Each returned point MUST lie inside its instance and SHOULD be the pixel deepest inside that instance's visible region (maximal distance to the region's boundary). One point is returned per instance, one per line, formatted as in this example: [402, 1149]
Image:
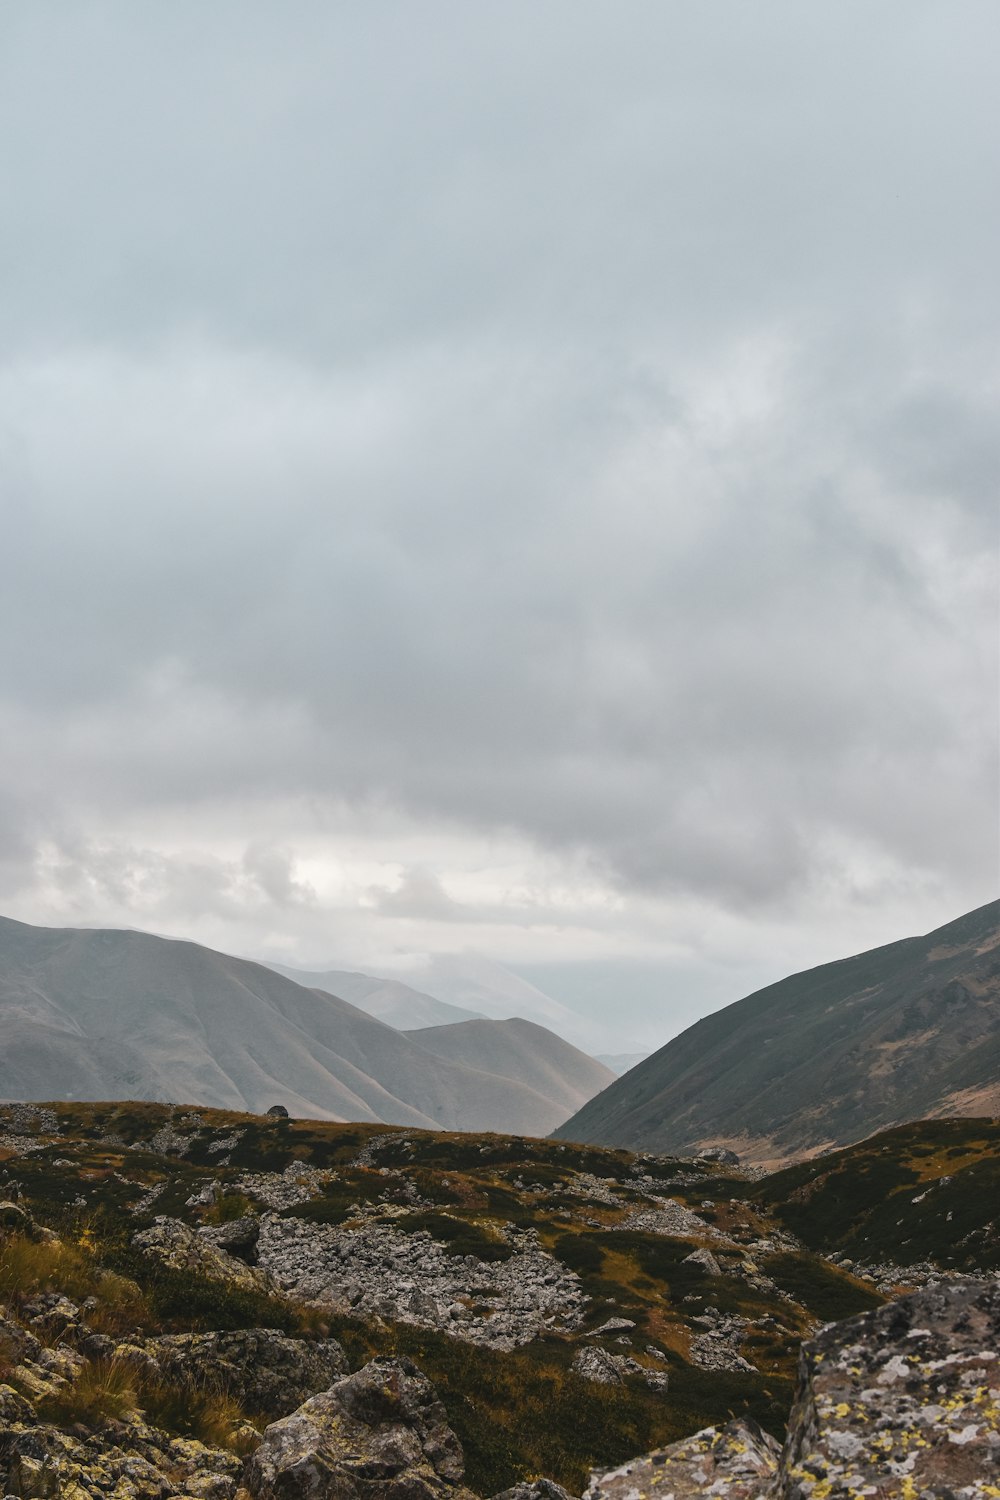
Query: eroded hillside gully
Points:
[219, 1305]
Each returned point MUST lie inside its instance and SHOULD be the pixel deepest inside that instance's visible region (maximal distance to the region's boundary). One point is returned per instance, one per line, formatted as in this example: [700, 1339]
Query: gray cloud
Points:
[498, 425]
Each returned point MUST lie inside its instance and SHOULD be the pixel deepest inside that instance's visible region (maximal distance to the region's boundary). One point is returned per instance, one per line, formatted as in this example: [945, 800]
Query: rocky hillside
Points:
[98, 1014]
[174, 1280]
[825, 1057]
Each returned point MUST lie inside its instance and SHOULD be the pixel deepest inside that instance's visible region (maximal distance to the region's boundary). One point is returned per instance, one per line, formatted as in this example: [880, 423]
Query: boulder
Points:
[597, 1365]
[704, 1260]
[268, 1373]
[720, 1154]
[237, 1237]
[738, 1461]
[901, 1401]
[380, 1434]
[181, 1248]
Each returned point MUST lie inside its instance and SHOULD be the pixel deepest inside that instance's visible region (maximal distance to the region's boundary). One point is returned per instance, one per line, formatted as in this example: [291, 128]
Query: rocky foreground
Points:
[901, 1402]
[228, 1307]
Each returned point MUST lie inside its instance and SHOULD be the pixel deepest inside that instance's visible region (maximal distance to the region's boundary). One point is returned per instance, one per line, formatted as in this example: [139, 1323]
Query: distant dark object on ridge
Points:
[278, 1112]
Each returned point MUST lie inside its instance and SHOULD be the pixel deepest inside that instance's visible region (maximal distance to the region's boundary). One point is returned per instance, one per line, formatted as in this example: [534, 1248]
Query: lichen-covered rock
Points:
[901, 1402]
[267, 1372]
[14, 1408]
[380, 1434]
[127, 1460]
[738, 1462]
[181, 1248]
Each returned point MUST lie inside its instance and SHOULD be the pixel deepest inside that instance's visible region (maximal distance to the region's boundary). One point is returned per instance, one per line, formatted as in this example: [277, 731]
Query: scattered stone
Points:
[378, 1271]
[672, 1218]
[596, 1364]
[719, 1347]
[238, 1237]
[169, 1142]
[277, 1190]
[226, 1143]
[604, 1368]
[278, 1112]
[16, 1220]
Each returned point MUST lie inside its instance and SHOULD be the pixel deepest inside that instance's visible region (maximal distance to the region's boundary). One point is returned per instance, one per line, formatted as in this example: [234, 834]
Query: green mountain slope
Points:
[825, 1057]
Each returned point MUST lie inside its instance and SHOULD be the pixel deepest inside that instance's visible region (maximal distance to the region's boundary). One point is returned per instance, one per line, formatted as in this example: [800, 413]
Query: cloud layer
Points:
[518, 482]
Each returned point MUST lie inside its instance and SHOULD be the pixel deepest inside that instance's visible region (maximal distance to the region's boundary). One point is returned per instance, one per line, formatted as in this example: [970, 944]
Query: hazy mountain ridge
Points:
[98, 1014]
[522, 1051]
[389, 1000]
[825, 1057]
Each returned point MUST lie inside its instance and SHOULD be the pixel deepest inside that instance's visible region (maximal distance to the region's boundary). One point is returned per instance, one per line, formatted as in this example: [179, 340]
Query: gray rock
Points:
[737, 1461]
[180, 1247]
[14, 1408]
[720, 1154]
[614, 1325]
[704, 1260]
[238, 1237]
[380, 1434]
[16, 1343]
[597, 1365]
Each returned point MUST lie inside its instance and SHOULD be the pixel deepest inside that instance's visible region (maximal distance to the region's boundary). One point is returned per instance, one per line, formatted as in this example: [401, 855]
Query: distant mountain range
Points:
[522, 1051]
[823, 1058]
[91, 1014]
[390, 1000]
[476, 984]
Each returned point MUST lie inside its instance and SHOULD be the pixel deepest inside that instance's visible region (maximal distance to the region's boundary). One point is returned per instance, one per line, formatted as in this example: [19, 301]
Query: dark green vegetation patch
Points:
[926, 1191]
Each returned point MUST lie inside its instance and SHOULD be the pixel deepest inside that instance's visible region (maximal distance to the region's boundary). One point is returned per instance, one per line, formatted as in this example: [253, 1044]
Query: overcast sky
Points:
[515, 479]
